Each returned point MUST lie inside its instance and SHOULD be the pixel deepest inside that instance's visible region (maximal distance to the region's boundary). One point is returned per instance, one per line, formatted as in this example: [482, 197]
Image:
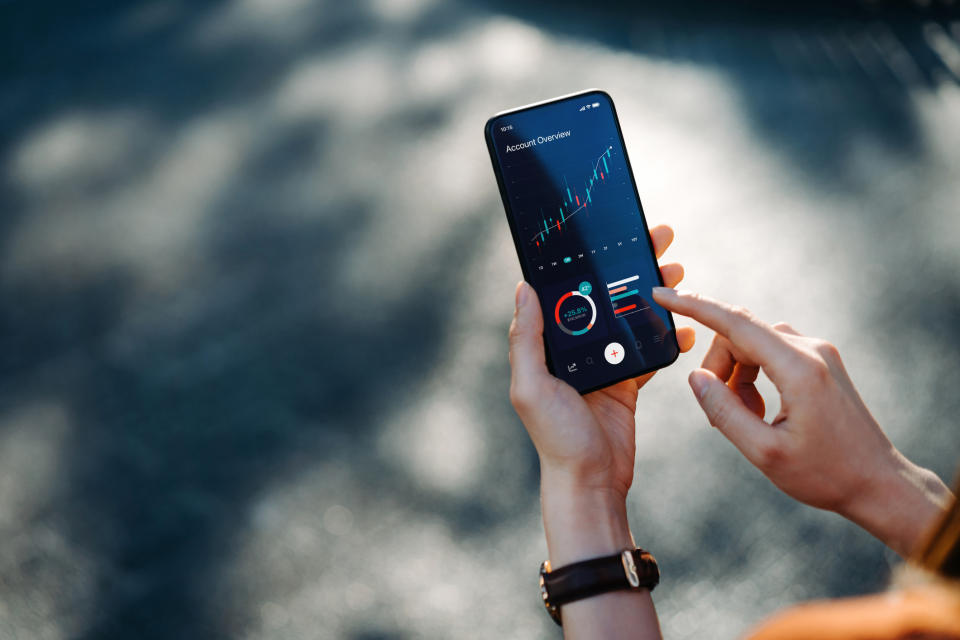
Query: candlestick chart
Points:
[568, 207]
[571, 203]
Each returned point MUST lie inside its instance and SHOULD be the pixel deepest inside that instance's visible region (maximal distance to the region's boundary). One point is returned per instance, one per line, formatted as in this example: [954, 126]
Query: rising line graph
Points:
[573, 199]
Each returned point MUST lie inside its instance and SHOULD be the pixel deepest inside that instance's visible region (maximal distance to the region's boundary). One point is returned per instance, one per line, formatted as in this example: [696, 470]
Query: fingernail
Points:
[664, 291]
[698, 382]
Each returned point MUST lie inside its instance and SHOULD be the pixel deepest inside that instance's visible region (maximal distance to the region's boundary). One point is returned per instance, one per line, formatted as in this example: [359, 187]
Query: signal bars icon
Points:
[590, 106]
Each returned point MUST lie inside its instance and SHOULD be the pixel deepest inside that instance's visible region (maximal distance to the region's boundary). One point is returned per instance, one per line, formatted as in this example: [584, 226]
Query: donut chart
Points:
[570, 317]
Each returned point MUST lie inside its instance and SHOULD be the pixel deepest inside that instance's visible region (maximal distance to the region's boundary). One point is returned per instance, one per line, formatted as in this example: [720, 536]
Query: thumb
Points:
[527, 358]
[726, 411]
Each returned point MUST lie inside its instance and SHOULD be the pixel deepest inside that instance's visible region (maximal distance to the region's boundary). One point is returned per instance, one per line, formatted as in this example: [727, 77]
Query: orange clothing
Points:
[917, 613]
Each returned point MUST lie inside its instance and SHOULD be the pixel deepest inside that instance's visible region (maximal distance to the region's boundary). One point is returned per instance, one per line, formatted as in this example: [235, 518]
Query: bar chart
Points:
[625, 296]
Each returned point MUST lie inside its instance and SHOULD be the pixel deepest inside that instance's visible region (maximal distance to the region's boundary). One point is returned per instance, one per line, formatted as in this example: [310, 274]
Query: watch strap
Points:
[631, 569]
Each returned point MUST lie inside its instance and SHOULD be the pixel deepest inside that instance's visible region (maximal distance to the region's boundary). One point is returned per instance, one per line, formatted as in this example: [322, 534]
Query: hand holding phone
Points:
[584, 442]
[583, 243]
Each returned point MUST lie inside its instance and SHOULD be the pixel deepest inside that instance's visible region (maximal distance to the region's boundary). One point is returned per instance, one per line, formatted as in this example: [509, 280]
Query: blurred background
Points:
[255, 284]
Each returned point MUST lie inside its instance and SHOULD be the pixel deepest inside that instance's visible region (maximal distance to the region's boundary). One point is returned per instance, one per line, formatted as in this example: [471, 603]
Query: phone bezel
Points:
[508, 212]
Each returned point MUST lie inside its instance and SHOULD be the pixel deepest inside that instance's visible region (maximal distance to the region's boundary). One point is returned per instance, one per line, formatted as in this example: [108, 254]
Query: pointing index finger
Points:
[754, 338]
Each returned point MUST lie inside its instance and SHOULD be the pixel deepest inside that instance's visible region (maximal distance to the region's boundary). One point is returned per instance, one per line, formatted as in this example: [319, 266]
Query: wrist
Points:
[900, 504]
[582, 522]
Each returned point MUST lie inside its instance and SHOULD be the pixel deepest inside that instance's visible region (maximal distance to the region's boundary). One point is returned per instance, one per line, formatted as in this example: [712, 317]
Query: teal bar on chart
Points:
[624, 295]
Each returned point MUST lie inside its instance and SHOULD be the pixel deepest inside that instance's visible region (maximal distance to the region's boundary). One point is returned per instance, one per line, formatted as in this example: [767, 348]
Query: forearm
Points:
[901, 506]
[582, 524]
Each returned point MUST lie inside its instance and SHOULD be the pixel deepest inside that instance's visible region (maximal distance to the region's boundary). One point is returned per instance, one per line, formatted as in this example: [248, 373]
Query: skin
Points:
[824, 448]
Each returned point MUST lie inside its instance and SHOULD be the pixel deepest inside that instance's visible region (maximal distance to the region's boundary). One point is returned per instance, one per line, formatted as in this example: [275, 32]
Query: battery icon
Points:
[596, 104]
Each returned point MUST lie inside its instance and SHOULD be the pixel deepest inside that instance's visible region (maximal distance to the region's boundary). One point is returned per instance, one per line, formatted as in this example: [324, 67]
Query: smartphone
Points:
[580, 233]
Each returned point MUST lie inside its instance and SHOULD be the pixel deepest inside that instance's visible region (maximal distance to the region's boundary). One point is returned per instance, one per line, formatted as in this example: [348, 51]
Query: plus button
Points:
[614, 353]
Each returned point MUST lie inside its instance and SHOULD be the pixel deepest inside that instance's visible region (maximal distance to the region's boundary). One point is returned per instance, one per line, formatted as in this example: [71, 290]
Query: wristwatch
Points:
[631, 569]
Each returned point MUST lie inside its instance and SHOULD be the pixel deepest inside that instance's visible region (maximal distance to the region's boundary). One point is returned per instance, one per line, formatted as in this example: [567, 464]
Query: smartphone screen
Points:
[583, 243]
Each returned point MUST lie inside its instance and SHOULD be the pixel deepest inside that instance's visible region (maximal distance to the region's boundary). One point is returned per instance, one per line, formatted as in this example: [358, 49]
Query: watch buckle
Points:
[630, 568]
[551, 608]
